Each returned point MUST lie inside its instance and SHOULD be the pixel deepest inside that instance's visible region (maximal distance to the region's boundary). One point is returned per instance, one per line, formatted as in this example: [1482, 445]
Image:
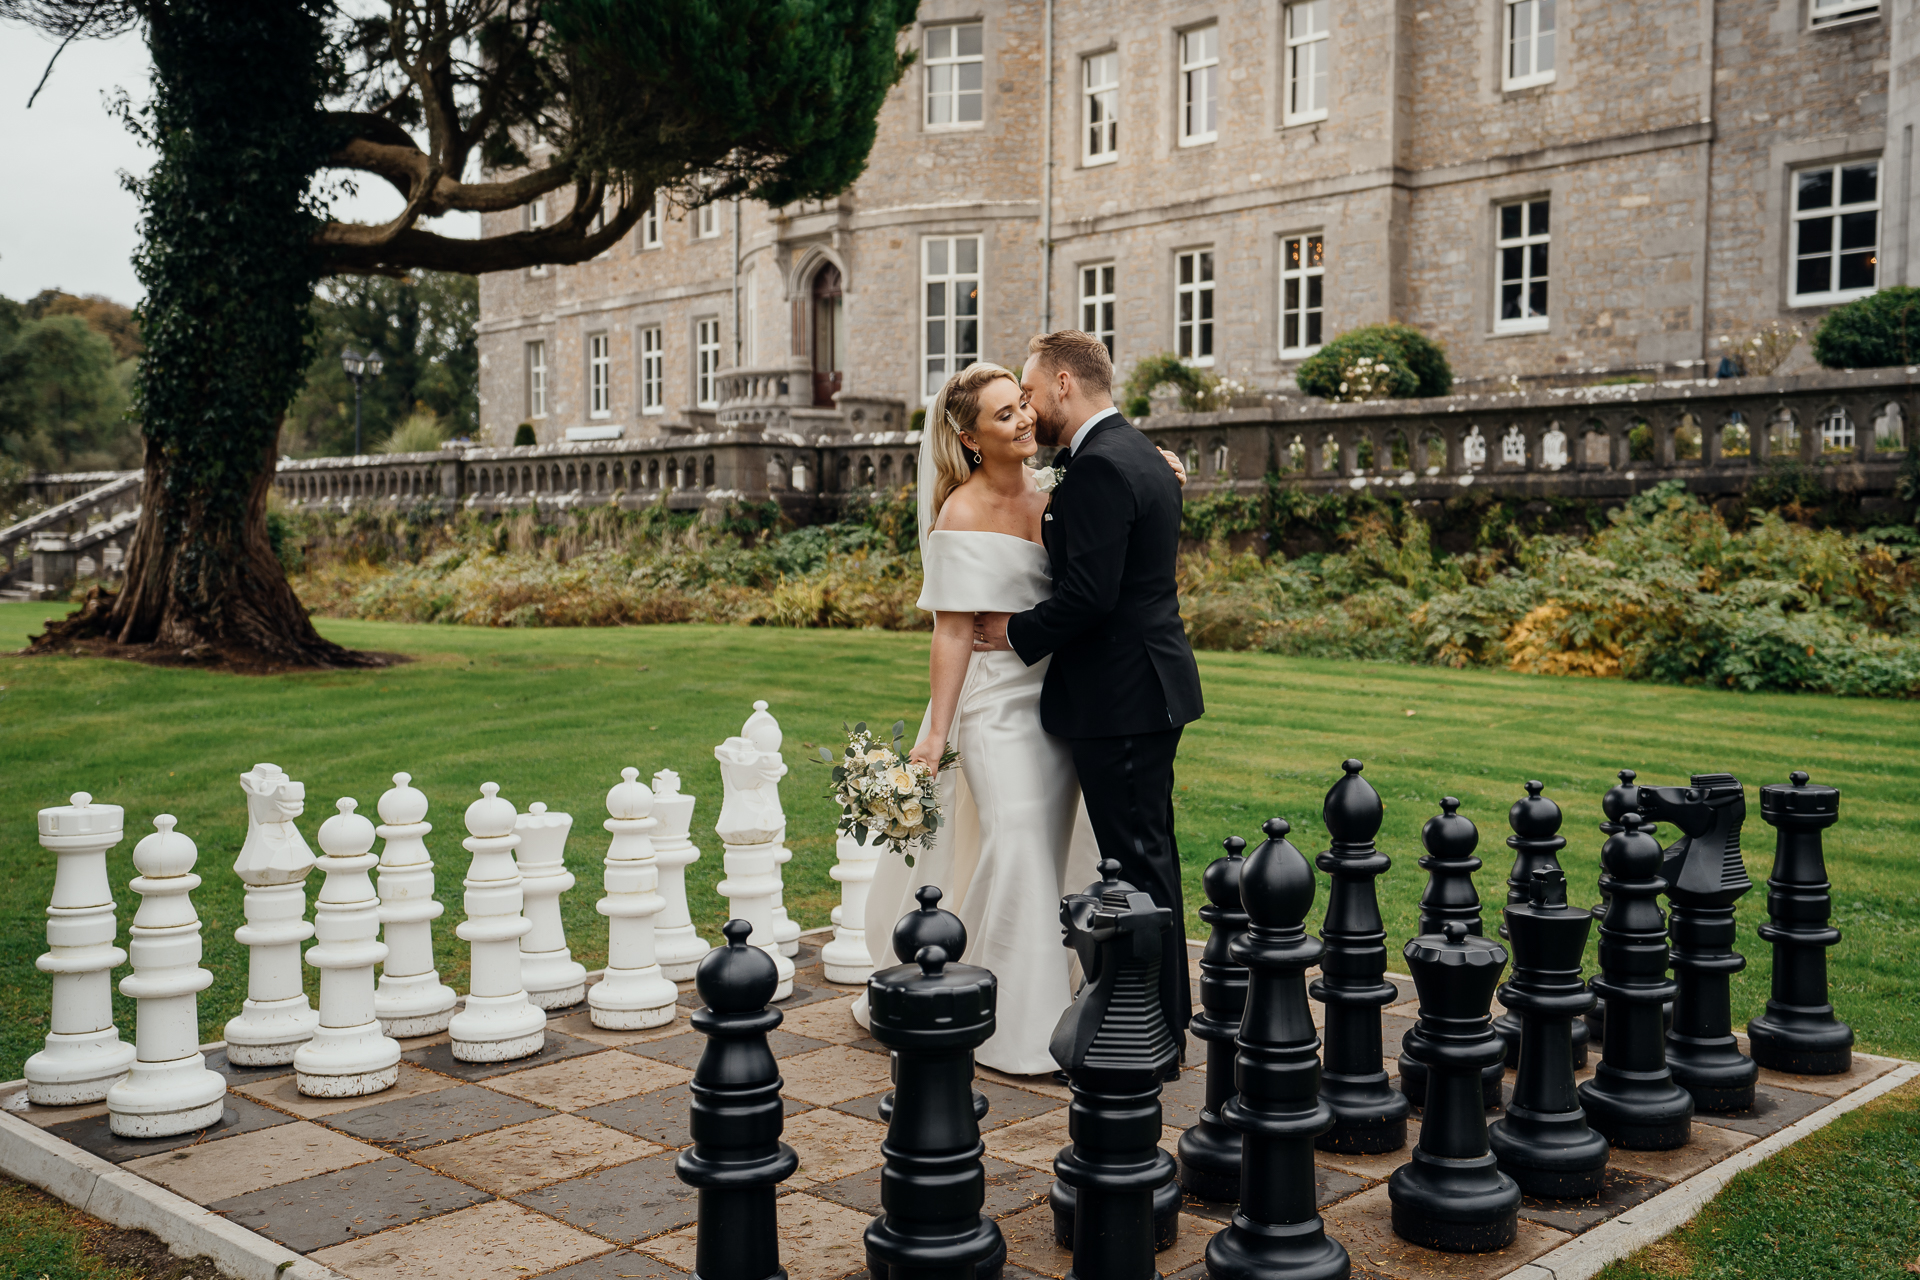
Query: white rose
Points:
[912, 813]
[1045, 478]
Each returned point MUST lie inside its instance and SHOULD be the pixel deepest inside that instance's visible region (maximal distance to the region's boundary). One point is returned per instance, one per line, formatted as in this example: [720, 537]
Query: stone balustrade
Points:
[85, 535]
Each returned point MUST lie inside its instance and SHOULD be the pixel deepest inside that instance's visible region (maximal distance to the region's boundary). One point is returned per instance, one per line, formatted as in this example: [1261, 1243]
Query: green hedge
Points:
[1872, 332]
[1419, 363]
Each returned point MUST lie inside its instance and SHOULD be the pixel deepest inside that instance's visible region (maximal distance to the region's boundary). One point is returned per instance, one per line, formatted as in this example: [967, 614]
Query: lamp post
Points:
[360, 366]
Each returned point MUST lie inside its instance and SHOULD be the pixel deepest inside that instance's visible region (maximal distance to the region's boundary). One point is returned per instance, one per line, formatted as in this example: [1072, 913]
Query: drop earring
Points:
[976, 457]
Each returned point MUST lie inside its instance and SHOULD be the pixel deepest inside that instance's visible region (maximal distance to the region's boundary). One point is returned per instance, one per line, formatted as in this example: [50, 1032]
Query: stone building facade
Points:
[1555, 189]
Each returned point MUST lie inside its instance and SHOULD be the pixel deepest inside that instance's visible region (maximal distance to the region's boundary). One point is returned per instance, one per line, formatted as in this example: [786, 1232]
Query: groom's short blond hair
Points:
[1080, 354]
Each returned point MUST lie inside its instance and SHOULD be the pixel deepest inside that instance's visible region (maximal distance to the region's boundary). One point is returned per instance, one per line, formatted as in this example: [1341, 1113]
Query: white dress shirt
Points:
[1089, 425]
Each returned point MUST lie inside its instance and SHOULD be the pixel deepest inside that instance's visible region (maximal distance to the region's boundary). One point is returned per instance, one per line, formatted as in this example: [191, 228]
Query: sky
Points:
[65, 220]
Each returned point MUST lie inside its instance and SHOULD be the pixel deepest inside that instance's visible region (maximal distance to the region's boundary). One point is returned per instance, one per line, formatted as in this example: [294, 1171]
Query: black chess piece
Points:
[1632, 1097]
[1449, 840]
[1621, 799]
[1113, 1042]
[737, 1161]
[1543, 1142]
[1452, 1195]
[931, 925]
[1705, 877]
[1369, 1114]
[933, 1015]
[1535, 841]
[1209, 1150]
[1799, 1033]
[1279, 1109]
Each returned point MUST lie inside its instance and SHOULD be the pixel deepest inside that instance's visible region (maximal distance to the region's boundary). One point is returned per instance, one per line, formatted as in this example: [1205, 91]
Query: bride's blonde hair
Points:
[957, 409]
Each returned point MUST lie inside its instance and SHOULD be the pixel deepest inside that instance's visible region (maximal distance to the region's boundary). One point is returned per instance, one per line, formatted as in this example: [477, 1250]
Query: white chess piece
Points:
[845, 959]
[499, 1023]
[554, 979]
[170, 1089]
[410, 1000]
[349, 1056]
[275, 1018]
[676, 945]
[764, 732]
[749, 828]
[632, 994]
[84, 1053]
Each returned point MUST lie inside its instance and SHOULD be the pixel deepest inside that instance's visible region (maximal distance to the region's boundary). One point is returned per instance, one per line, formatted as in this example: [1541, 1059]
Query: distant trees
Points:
[66, 373]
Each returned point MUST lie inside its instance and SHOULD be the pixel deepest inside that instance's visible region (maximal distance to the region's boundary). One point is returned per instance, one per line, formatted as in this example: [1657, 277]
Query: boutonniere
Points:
[1045, 478]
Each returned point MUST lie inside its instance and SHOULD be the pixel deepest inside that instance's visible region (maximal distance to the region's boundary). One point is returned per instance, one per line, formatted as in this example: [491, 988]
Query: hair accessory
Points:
[952, 423]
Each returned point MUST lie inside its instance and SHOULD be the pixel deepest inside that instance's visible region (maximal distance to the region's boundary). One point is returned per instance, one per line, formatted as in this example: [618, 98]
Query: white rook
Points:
[275, 1018]
[676, 945]
[845, 959]
[764, 732]
[554, 978]
[499, 1023]
[410, 1000]
[632, 994]
[84, 1053]
[749, 828]
[348, 1056]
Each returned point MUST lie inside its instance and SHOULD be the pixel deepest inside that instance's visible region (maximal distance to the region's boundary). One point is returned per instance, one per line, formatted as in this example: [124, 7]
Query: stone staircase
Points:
[84, 536]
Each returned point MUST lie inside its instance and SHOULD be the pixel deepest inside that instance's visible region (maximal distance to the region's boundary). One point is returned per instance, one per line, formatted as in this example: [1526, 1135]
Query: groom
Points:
[1123, 679]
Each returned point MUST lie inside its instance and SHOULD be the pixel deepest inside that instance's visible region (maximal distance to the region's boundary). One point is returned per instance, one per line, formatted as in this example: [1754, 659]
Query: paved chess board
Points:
[561, 1165]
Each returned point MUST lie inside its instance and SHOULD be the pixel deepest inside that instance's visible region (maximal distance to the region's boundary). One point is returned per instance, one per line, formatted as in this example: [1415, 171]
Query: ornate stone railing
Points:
[102, 515]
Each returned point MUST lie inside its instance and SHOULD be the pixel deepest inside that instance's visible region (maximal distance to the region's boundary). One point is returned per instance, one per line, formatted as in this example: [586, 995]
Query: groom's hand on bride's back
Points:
[990, 632]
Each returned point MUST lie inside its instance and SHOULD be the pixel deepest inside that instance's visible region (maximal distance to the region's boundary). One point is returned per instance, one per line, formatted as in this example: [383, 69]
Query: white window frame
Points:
[600, 375]
[1530, 322]
[653, 371]
[706, 221]
[1099, 308]
[537, 378]
[1200, 75]
[749, 320]
[706, 362]
[1100, 108]
[944, 325]
[1832, 215]
[944, 91]
[1835, 12]
[1194, 316]
[650, 225]
[536, 218]
[1303, 264]
[1534, 40]
[1307, 54]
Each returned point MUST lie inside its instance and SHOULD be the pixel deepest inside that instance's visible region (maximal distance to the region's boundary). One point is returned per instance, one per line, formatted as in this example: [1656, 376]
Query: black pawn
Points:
[1620, 800]
[1369, 1114]
[1113, 1042]
[933, 1015]
[1449, 898]
[928, 926]
[1278, 1110]
[1451, 1195]
[1543, 1142]
[1632, 1097]
[1705, 877]
[1209, 1150]
[1536, 840]
[1798, 1033]
[737, 1161]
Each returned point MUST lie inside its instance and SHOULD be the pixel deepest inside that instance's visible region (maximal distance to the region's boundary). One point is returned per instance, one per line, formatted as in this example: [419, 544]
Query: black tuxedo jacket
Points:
[1122, 664]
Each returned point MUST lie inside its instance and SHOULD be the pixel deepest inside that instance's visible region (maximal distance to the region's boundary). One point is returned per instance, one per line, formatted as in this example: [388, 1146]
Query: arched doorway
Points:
[829, 335]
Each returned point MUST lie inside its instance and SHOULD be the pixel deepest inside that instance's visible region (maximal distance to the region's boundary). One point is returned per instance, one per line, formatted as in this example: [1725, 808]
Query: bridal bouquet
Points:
[883, 794]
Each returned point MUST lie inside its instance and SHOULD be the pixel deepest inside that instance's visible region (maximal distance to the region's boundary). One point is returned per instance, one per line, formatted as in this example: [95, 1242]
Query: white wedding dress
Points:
[1015, 835]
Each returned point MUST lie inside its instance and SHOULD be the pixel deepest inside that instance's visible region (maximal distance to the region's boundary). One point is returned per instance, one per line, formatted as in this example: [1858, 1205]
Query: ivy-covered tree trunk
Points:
[229, 265]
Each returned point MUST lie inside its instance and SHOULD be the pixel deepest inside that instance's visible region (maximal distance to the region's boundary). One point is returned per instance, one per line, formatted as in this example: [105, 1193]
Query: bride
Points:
[1014, 836]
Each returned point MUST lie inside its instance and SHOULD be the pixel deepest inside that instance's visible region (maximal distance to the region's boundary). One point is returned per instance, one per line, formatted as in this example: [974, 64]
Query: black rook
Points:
[1798, 1032]
[1209, 1150]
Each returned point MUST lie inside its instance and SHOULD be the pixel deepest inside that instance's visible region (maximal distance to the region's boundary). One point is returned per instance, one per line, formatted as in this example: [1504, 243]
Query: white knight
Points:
[749, 827]
[275, 1019]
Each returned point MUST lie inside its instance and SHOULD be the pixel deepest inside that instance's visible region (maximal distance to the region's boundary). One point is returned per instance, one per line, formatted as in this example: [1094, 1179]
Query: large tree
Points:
[459, 105]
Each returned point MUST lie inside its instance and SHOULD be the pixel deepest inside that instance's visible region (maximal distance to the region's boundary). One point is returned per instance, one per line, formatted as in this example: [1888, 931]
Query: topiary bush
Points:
[1196, 386]
[1416, 365]
[523, 434]
[1872, 332]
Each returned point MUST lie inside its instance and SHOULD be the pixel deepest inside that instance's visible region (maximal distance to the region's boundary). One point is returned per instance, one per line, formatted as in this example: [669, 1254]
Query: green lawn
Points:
[554, 714]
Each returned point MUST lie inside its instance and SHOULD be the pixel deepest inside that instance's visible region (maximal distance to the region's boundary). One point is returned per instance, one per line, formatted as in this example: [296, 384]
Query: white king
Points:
[676, 945]
[749, 827]
[275, 1018]
[554, 978]
[764, 732]
[410, 1000]
[633, 994]
[348, 1056]
[170, 1089]
[498, 1024]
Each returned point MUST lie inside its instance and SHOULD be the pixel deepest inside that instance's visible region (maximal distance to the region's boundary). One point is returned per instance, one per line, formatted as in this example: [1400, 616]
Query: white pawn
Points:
[84, 1053]
[845, 959]
[764, 731]
[632, 994]
[554, 979]
[348, 1056]
[275, 1018]
[499, 1023]
[676, 945]
[749, 828]
[170, 1089]
[410, 1000]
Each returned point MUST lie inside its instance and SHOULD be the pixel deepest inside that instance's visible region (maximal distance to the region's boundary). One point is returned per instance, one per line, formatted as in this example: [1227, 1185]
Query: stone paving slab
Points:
[1773, 1110]
[210, 1171]
[628, 1202]
[281, 1093]
[239, 1116]
[661, 1116]
[313, 1213]
[558, 1047]
[498, 1241]
[684, 1050]
[408, 1124]
[588, 1082]
[523, 1156]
